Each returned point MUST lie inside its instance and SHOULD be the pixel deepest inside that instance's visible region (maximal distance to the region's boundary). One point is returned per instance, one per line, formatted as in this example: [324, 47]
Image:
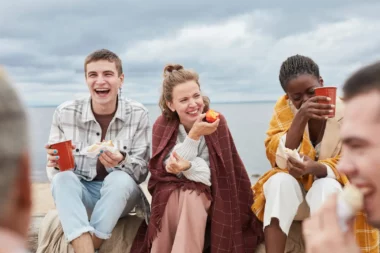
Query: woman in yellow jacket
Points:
[292, 188]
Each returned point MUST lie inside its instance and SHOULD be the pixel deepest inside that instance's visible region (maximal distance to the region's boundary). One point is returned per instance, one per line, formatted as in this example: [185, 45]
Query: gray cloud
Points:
[237, 47]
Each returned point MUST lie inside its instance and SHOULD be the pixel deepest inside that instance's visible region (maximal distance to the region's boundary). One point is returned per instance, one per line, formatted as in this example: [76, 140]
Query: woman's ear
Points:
[170, 105]
[321, 81]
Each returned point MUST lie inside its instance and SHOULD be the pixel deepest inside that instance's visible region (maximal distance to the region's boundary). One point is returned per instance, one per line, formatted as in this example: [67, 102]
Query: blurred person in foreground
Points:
[360, 161]
[15, 183]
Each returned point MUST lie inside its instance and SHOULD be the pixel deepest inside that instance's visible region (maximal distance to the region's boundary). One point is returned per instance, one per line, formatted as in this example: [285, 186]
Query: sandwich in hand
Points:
[293, 153]
[99, 145]
[93, 150]
[350, 201]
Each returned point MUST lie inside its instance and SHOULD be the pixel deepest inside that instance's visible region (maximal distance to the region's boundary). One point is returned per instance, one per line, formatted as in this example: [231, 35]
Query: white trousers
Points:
[287, 200]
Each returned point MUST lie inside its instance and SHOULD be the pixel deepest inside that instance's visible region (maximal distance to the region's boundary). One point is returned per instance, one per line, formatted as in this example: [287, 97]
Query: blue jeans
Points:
[105, 201]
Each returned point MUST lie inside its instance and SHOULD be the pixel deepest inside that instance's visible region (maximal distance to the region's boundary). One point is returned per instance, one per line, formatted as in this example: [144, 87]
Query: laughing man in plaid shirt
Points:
[107, 185]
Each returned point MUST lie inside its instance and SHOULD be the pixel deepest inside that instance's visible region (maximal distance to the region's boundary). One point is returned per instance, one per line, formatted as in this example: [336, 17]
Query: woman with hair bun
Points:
[200, 188]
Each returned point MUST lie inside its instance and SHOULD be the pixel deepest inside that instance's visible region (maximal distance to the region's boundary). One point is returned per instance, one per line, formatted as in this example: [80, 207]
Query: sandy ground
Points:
[42, 198]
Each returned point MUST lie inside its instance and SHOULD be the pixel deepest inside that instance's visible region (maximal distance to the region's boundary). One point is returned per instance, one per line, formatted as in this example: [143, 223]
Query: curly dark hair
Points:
[295, 66]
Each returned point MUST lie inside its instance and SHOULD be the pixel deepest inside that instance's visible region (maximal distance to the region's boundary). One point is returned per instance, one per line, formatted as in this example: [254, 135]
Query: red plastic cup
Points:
[65, 153]
[327, 92]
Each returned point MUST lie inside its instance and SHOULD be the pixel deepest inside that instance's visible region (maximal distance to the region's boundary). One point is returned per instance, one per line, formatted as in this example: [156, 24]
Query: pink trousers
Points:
[183, 223]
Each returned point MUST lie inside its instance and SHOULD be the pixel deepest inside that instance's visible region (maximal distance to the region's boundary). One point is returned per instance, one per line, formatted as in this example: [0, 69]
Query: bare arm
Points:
[310, 109]
[295, 132]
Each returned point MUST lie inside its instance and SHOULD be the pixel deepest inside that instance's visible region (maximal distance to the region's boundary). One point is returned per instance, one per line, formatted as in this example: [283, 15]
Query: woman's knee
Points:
[281, 179]
[326, 186]
[283, 196]
[320, 190]
[195, 200]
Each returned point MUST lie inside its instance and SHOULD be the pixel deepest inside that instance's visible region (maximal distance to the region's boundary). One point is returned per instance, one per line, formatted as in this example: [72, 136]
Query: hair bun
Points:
[171, 68]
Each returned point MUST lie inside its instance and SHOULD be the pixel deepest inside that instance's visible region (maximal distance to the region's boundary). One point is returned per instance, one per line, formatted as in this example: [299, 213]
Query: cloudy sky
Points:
[236, 46]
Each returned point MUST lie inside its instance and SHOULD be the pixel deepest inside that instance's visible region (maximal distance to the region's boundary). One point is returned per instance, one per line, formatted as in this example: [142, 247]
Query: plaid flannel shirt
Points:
[128, 130]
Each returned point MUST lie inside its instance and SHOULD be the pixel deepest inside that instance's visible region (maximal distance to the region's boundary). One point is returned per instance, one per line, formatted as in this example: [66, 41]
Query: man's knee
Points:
[119, 182]
[64, 179]
[65, 183]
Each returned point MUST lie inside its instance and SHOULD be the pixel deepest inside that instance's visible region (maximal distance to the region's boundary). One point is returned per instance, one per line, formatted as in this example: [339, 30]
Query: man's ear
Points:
[170, 105]
[121, 80]
[25, 184]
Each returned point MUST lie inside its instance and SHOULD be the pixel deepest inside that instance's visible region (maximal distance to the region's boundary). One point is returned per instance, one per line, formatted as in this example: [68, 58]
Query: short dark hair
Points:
[362, 81]
[295, 66]
[104, 54]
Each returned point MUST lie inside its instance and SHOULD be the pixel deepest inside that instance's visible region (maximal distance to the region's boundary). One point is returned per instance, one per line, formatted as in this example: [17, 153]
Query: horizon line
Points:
[151, 103]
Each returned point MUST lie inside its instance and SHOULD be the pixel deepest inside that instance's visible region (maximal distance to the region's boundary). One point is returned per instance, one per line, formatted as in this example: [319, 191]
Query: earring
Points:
[120, 92]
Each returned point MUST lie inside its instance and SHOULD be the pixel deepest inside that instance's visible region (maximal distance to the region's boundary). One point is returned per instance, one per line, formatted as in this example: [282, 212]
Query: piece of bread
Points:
[350, 201]
[290, 152]
[93, 147]
[107, 143]
[293, 153]
[353, 197]
[97, 145]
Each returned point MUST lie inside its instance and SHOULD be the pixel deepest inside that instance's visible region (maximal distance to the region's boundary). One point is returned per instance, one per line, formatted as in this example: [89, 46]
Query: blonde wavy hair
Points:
[175, 74]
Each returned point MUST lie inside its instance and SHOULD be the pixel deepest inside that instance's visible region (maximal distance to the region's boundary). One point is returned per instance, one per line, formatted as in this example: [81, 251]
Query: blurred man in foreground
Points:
[15, 184]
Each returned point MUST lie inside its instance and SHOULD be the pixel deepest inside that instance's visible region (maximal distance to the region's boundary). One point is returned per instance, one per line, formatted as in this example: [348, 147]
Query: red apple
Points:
[211, 116]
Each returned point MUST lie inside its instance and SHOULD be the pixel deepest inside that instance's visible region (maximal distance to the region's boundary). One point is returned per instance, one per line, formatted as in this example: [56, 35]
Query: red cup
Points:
[327, 92]
[65, 153]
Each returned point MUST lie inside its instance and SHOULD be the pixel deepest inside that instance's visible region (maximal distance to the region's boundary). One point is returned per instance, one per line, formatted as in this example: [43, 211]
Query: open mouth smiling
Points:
[102, 91]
